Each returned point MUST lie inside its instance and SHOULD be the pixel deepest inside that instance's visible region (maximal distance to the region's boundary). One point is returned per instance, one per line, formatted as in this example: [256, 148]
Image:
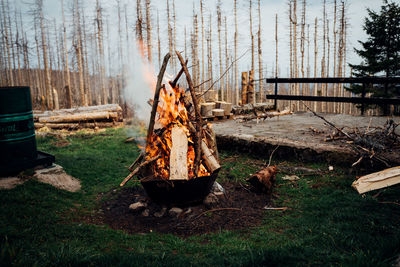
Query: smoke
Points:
[139, 87]
[139, 80]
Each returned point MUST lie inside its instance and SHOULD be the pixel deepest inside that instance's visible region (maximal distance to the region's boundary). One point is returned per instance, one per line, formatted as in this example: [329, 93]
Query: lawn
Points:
[327, 223]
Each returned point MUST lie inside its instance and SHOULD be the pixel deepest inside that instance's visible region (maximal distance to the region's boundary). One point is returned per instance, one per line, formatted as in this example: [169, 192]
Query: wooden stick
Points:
[157, 97]
[138, 169]
[218, 209]
[198, 120]
[175, 81]
[139, 159]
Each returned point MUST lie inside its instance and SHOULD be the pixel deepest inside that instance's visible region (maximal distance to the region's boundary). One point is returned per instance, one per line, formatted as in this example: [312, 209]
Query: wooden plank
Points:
[374, 80]
[377, 180]
[178, 157]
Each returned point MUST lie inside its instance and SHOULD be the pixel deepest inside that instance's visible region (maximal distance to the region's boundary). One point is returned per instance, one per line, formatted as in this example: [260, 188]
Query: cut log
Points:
[93, 116]
[211, 96]
[178, 156]
[218, 112]
[227, 107]
[377, 180]
[209, 160]
[265, 115]
[75, 126]
[206, 109]
[48, 113]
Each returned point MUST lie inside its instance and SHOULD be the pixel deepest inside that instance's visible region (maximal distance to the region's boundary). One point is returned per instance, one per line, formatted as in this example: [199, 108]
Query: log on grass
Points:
[93, 116]
[48, 113]
[377, 180]
[75, 126]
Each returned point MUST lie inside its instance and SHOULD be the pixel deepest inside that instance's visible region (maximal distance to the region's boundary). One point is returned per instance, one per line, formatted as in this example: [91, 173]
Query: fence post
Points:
[363, 99]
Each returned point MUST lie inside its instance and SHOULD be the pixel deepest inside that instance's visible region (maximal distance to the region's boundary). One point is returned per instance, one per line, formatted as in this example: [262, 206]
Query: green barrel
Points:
[17, 132]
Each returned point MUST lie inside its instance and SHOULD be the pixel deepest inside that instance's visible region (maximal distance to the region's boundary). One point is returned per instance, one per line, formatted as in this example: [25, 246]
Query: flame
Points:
[171, 111]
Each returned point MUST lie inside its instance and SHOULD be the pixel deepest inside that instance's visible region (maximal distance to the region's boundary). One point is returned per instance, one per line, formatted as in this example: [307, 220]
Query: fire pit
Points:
[179, 163]
[181, 192]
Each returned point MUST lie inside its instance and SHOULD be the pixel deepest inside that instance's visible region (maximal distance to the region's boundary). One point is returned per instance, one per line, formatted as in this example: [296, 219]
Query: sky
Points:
[356, 12]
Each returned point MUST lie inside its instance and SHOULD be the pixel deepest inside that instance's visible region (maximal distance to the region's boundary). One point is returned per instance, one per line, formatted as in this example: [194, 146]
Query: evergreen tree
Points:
[380, 53]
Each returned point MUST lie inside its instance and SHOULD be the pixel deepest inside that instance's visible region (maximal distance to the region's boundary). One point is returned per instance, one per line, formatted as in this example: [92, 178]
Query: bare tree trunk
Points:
[170, 36]
[220, 48]
[251, 36]
[78, 50]
[88, 91]
[202, 45]
[174, 57]
[260, 73]
[276, 45]
[148, 31]
[159, 41]
[315, 61]
[7, 40]
[49, 98]
[236, 66]
[335, 93]
[99, 22]
[228, 88]
[296, 68]
[68, 78]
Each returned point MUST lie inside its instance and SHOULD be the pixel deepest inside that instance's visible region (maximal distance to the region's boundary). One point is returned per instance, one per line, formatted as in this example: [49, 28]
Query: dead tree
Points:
[260, 73]
[66, 66]
[220, 48]
[315, 60]
[202, 44]
[148, 31]
[236, 66]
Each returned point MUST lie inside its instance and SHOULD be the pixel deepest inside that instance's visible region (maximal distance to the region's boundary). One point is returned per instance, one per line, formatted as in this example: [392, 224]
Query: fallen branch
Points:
[139, 159]
[133, 173]
[271, 208]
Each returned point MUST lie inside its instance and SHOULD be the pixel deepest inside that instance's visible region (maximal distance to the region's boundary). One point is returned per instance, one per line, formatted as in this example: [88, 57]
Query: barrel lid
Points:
[15, 99]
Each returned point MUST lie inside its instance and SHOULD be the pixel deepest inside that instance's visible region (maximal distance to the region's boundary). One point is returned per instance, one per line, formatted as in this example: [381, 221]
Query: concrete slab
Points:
[294, 136]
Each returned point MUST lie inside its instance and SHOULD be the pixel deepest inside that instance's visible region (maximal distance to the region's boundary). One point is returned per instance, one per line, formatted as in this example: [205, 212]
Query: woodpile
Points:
[179, 145]
[102, 116]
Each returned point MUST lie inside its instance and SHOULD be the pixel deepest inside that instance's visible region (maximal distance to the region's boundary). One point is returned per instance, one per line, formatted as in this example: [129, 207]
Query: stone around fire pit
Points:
[160, 213]
[175, 212]
[137, 206]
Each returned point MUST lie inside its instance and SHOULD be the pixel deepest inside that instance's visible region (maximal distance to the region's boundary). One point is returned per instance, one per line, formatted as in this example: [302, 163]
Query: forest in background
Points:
[77, 60]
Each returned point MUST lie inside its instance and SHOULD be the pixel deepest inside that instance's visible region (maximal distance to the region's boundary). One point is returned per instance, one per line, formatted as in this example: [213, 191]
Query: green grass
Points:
[328, 223]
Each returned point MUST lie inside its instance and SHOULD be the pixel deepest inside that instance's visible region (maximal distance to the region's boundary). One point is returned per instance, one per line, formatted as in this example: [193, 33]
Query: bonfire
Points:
[180, 147]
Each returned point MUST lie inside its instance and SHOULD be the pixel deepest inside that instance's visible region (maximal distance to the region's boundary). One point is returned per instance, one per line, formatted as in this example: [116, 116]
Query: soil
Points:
[238, 208]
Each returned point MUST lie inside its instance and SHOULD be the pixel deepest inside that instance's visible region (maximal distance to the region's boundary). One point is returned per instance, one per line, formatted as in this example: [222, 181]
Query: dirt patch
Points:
[10, 182]
[238, 208]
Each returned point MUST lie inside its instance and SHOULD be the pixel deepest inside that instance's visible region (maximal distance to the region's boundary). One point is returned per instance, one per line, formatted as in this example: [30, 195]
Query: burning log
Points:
[178, 158]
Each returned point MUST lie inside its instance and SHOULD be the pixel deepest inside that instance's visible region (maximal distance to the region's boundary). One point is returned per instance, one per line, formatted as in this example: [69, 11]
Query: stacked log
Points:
[102, 116]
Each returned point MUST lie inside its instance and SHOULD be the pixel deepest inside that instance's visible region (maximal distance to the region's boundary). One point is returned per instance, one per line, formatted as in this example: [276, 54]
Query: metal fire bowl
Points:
[180, 192]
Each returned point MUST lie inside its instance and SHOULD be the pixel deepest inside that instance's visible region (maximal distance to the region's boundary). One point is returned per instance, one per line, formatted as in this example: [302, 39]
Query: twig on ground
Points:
[272, 153]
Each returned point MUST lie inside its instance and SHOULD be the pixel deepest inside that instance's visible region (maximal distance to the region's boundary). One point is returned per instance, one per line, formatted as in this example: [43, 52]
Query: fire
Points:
[171, 111]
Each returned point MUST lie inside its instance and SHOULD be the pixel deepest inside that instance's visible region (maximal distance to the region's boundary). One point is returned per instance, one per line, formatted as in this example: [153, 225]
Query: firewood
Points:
[209, 160]
[218, 112]
[206, 109]
[175, 81]
[178, 156]
[156, 98]
[94, 116]
[198, 120]
[377, 180]
[227, 107]
[134, 172]
[264, 179]
[78, 125]
[265, 116]
[212, 141]
[138, 160]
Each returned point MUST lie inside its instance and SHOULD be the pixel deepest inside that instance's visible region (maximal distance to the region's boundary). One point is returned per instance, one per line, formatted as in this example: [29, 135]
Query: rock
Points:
[217, 188]
[146, 213]
[137, 206]
[57, 177]
[291, 177]
[175, 211]
[189, 210]
[160, 213]
[210, 200]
